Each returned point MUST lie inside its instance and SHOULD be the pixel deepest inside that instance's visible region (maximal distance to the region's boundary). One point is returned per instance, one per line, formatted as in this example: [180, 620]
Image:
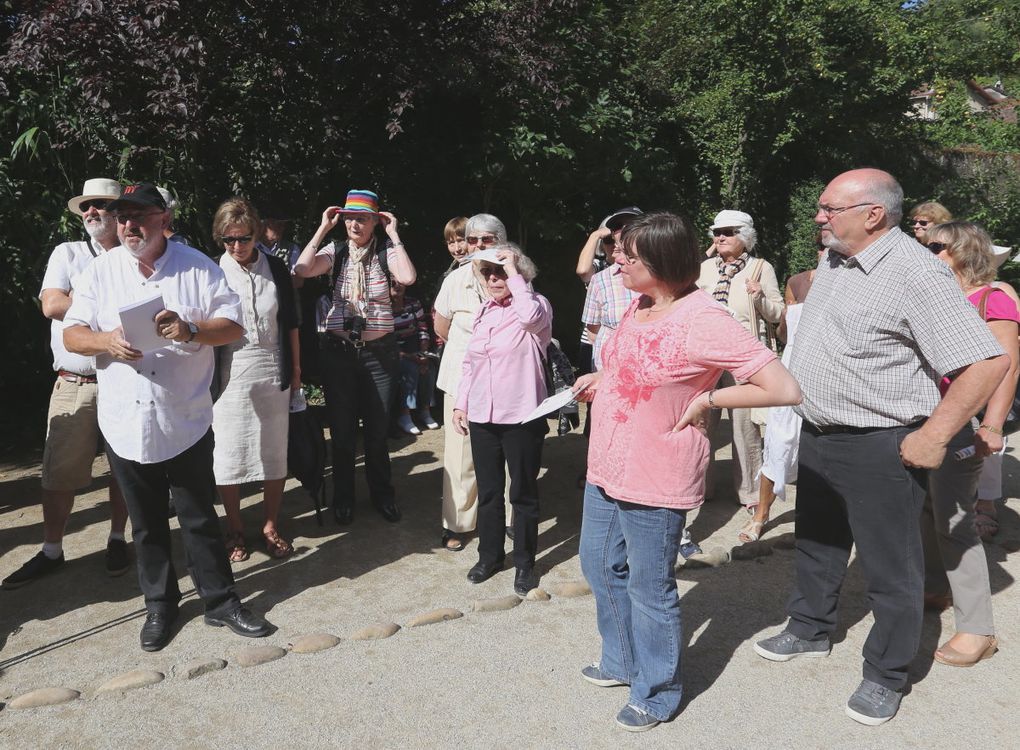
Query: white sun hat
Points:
[98, 188]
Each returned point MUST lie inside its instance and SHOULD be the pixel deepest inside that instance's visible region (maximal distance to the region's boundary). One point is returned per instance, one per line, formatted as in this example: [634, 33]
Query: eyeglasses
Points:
[609, 242]
[725, 232]
[920, 222]
[99, 204]
[137, 218]
[244, 240]
[485, 239]
[486, 271]
[937, 247]
[831, 211]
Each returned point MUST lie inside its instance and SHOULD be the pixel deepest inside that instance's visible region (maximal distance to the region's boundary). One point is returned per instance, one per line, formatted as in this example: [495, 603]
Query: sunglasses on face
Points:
[724, 232]
[242, 240]
[487, 239]
[937, 247]
[609, 242]
[99, 204]
[136, 218]
[920, 222]
[487, 271]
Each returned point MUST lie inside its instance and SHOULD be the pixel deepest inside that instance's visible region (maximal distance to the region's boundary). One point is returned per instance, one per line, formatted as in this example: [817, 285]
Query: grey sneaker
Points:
[596, 676]
[872, 704]
[786, 646]
[634, 719]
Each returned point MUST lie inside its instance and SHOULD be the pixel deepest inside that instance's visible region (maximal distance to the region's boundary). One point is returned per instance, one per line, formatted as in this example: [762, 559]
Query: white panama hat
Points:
[97, 188]
[1001, 254]
[726, 219]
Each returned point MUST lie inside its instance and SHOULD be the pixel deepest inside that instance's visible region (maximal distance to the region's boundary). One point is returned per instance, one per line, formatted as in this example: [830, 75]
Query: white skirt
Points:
[782, 431]
[250, 419]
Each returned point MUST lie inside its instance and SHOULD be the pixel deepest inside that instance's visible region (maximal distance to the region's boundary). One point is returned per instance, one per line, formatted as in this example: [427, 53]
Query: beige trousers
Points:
[746, 448]
[460, 488]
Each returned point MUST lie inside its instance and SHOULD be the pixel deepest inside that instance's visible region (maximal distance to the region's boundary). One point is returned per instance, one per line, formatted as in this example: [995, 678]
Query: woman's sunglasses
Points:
[724, 232]
[486, 271]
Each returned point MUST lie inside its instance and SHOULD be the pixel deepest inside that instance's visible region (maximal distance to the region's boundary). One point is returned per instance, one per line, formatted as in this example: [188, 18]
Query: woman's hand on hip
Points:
[460, 422]
[696, 415]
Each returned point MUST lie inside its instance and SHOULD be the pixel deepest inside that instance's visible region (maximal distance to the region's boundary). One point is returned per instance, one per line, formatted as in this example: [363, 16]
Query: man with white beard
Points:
[154, 406]
[72, 432]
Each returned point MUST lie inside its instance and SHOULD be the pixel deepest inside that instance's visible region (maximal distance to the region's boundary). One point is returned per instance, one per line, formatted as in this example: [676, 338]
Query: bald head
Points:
[873, 186]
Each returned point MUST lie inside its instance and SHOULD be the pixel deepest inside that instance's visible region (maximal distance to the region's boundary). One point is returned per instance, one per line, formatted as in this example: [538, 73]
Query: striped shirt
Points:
[411, 326]
[605, 304]
[377, 309]
[878, 331]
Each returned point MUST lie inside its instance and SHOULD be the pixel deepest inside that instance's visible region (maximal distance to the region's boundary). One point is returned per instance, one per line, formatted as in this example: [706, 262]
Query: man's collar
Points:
[870, 256]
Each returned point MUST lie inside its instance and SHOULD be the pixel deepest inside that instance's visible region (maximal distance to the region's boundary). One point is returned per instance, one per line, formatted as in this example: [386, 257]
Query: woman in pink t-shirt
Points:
[954, 555]
[648, 455]
[503, 382]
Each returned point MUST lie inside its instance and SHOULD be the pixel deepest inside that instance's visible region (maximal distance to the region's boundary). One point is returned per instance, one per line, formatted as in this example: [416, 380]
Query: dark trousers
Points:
[852, 489]
[359, 383]
[188, 477]
[518, 447]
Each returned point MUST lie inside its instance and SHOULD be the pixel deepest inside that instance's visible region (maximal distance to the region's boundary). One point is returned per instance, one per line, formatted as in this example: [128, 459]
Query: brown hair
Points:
[233, 211]
[970, 248]
[455, 228]
[938, 213]
[668, 246]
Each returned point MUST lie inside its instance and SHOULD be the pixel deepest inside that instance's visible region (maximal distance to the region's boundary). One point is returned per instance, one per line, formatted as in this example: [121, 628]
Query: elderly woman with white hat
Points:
[747, 286]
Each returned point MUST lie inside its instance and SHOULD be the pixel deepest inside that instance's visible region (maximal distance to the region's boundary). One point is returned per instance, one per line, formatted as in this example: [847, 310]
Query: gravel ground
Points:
[496, 679]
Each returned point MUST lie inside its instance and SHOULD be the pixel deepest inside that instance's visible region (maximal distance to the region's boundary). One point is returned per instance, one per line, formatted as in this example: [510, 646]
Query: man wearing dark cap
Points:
[154, 406]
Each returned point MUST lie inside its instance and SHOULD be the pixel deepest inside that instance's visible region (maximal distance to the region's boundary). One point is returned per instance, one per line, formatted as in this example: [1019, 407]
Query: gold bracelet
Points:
[993, 430]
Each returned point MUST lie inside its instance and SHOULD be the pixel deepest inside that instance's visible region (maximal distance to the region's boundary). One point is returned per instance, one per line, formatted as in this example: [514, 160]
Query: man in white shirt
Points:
[154, 406]
[72, 431]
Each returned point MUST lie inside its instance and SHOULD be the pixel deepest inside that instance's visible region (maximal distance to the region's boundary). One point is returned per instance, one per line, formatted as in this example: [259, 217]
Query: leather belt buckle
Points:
[359, 344]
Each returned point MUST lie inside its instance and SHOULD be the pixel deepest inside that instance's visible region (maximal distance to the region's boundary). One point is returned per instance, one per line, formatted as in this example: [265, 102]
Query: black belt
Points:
[383, 342]
[73, 377]
[843, 429]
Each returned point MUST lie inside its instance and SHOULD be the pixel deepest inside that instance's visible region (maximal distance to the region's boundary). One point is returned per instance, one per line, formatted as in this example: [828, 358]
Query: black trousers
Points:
[518, 447]
[359, 383]
[853, 489]
[188, 477]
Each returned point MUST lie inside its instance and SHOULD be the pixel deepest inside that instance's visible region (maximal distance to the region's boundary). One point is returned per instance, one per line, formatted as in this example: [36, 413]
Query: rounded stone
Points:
[751, 550]
[252, 657]
[376, 631]
[711, 558]
[198, 667]
[570, 589]
[495, 605]
[44, 697]
[436, 615]
[538, 595]
[309, 644]
[136, 678]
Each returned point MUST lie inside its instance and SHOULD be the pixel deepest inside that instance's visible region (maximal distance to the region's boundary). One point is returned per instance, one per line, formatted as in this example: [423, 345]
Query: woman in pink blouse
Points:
[649, 453]
[503, 382]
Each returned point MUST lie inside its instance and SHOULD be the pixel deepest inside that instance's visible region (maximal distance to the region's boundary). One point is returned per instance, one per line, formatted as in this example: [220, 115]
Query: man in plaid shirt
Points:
[884, 323]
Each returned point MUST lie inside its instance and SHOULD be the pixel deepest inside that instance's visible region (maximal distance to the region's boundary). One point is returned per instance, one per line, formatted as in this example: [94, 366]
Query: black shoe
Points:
[343, 514]
[484, 571]
[524, 581]
[117, 560]
[510, 533]
[243, 622]
[156, 630]
[37, 567]
[390, 512]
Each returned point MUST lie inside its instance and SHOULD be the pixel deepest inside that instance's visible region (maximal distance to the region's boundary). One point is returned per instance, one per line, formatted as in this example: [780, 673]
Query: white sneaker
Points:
[405, 423]
[426, 419]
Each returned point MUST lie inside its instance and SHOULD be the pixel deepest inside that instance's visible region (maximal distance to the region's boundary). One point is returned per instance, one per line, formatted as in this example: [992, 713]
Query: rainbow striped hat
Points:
[361, 202]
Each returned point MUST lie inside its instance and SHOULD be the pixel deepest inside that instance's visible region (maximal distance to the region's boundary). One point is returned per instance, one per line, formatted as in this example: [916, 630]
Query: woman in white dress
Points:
[256, 375]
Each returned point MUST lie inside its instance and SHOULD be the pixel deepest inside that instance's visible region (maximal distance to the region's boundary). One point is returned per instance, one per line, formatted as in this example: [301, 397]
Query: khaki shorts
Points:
[72, 436]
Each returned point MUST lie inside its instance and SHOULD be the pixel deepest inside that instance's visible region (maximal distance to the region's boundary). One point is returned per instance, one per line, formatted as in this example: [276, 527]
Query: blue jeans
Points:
[413, 382]
[627, 554]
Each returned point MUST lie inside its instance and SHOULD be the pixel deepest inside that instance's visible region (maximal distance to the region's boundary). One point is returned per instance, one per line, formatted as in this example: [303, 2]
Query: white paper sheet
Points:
[551, 404]
[137, 321]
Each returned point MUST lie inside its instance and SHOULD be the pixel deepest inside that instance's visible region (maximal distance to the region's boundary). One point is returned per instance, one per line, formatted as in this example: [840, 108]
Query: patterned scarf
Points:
[357, 270]
[726, 273]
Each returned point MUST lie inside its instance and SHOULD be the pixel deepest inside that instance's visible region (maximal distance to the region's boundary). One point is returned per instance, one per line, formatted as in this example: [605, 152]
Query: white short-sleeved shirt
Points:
[458, 300]
[67, 261]
[159, 406]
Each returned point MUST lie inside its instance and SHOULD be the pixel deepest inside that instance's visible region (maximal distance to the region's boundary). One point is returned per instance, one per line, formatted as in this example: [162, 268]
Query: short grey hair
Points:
[486, 223]
[886, 192]
[749, 236]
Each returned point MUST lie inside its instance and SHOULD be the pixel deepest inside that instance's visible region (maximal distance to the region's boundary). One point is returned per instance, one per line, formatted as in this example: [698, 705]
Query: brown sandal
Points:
[276, 546]
[235, 546]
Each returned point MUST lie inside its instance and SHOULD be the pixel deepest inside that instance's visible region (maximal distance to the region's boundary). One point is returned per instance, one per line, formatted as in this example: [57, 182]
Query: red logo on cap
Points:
[130, 189]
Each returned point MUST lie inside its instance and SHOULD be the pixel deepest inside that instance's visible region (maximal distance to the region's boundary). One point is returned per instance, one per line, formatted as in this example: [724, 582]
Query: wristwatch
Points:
[193, 330]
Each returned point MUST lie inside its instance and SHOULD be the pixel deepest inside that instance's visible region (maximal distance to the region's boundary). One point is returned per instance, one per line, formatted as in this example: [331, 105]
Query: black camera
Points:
[355, 325]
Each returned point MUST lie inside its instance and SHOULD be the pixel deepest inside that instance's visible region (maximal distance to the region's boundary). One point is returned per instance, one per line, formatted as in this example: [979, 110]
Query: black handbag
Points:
[306, 456]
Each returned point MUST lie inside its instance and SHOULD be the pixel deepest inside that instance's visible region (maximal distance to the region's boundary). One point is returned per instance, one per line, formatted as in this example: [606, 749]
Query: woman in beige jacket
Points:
[747, 286]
